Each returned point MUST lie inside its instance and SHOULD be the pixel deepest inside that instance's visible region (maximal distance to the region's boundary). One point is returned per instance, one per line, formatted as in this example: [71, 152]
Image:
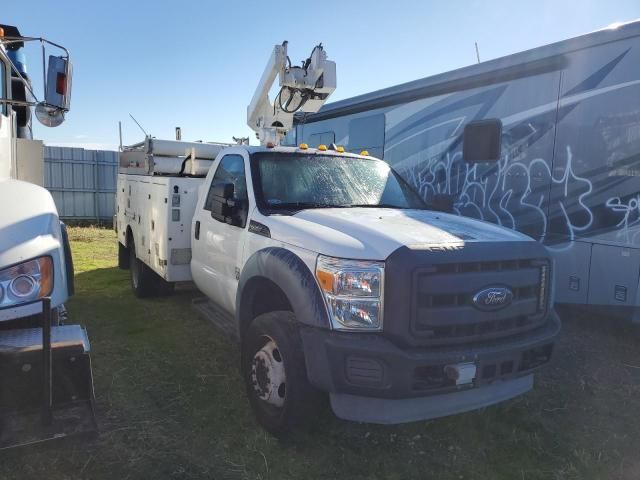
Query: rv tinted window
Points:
[366, 133]
[290, 138]
[324, 138]
[481, 141]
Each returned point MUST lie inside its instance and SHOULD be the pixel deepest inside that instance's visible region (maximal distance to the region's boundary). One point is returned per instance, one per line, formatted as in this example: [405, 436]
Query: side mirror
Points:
[482, 141]
[223, 190]
[221, 198]
[221, 210]
[57, 95]
[442, 202]
[224, 206]
[58, 89]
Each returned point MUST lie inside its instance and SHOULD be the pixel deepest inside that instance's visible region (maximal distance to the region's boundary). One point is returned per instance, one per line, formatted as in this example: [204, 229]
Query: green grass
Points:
[171, 404]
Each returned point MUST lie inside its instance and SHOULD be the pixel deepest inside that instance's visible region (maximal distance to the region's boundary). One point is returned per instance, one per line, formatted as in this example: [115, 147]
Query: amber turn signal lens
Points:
[46, 276]
[326, 280]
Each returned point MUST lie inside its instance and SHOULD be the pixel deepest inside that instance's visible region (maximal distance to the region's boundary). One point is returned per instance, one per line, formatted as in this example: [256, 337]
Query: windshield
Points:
[290, 181]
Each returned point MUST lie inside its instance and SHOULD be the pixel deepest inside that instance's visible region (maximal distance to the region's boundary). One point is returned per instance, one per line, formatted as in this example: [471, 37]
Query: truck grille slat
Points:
[443, 309]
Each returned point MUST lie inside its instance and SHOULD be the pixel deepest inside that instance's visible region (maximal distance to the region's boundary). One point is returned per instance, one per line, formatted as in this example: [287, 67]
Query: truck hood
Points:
[375, 233]
[27, 212]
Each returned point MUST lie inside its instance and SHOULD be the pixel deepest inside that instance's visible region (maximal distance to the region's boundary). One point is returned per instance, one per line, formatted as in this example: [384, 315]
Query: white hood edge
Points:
[375, 233]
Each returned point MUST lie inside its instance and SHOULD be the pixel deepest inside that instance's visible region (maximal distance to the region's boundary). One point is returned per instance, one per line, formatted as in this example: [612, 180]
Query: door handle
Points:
[197, 230]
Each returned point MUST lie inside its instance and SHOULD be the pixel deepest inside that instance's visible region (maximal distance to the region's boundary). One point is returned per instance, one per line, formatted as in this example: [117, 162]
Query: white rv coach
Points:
[569, 170]
[339, 277]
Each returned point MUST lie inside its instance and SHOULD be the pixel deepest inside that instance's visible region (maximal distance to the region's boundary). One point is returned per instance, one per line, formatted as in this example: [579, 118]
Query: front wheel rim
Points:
[268, 375]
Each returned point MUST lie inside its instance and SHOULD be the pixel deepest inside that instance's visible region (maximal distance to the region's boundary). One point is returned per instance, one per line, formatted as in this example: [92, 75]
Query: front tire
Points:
[275, 375]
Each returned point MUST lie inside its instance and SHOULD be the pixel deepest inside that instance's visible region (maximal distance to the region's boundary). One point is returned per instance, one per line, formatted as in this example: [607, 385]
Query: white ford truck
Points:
[340, 279]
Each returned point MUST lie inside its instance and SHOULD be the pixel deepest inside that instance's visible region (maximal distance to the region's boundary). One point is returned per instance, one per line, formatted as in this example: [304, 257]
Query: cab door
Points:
[216, 244]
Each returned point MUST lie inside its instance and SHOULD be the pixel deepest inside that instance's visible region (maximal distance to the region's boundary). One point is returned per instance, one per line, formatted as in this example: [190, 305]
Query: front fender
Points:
[30, 228]
[292, 276]
[68, 260]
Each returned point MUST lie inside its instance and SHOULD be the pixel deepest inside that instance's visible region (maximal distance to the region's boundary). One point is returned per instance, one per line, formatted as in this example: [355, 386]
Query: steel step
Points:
[45, 394]
[13, 342]
[221, 319]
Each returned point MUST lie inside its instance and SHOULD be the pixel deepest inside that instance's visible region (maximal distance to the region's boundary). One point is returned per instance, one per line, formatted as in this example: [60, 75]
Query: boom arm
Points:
[302, 89]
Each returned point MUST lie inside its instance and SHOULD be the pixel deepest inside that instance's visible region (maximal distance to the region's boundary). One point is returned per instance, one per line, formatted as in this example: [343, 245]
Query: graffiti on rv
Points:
[629, 226]
[506, 193]
[515, 194]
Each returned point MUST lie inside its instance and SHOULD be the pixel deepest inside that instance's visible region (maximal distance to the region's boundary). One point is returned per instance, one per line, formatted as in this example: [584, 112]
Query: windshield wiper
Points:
[378, 205]
[293, 206]
[303, 205]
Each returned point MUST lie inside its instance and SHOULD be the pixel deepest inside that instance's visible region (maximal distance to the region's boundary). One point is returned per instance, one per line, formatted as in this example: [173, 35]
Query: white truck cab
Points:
[342, 280]
[338, 276]
[46, 385]
[35, 260]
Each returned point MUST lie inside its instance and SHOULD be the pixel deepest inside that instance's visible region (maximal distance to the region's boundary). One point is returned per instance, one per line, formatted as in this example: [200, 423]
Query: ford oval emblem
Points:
[493, 298]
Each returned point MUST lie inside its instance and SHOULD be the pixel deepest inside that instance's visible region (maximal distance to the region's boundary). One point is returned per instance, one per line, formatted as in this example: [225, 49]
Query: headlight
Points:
[353, 292]
[26, 282]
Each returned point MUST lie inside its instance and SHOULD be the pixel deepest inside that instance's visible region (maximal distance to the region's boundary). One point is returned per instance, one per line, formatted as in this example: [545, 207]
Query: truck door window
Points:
[231, 170]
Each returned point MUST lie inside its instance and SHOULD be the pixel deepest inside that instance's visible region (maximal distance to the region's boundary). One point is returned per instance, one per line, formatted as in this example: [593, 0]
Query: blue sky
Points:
[195, 64]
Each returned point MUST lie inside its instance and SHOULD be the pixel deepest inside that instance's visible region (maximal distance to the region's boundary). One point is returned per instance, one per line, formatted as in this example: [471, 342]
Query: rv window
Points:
[481, 141]
[325, 138]
[366, 133]
[289, 139]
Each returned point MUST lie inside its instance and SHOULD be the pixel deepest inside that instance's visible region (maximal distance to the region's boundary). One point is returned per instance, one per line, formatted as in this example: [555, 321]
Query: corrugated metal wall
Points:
[82, 182]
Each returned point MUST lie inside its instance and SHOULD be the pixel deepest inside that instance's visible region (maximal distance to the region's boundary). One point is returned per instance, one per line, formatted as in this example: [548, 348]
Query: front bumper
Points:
[20, 311]
[369, 378]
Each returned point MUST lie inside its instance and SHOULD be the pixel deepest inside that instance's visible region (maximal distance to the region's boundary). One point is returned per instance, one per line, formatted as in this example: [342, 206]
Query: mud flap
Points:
[46, 384]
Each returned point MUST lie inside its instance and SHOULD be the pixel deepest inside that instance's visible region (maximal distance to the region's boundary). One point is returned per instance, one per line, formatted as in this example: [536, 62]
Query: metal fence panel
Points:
[82, 182]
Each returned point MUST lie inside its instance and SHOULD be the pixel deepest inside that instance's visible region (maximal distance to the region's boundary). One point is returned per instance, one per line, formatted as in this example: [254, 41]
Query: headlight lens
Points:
[26, 282]
[353, 290]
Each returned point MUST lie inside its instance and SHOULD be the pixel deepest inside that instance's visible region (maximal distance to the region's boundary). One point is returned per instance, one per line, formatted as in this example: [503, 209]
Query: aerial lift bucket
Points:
[46, 384]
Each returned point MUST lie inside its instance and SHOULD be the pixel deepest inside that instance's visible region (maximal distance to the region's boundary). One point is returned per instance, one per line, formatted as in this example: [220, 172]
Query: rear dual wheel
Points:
[144, 281]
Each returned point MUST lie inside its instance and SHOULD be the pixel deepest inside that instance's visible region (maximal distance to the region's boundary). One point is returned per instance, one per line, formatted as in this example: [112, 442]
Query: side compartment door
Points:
[130, 217]
[143, 201]
[120, 207]
[217, 245]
